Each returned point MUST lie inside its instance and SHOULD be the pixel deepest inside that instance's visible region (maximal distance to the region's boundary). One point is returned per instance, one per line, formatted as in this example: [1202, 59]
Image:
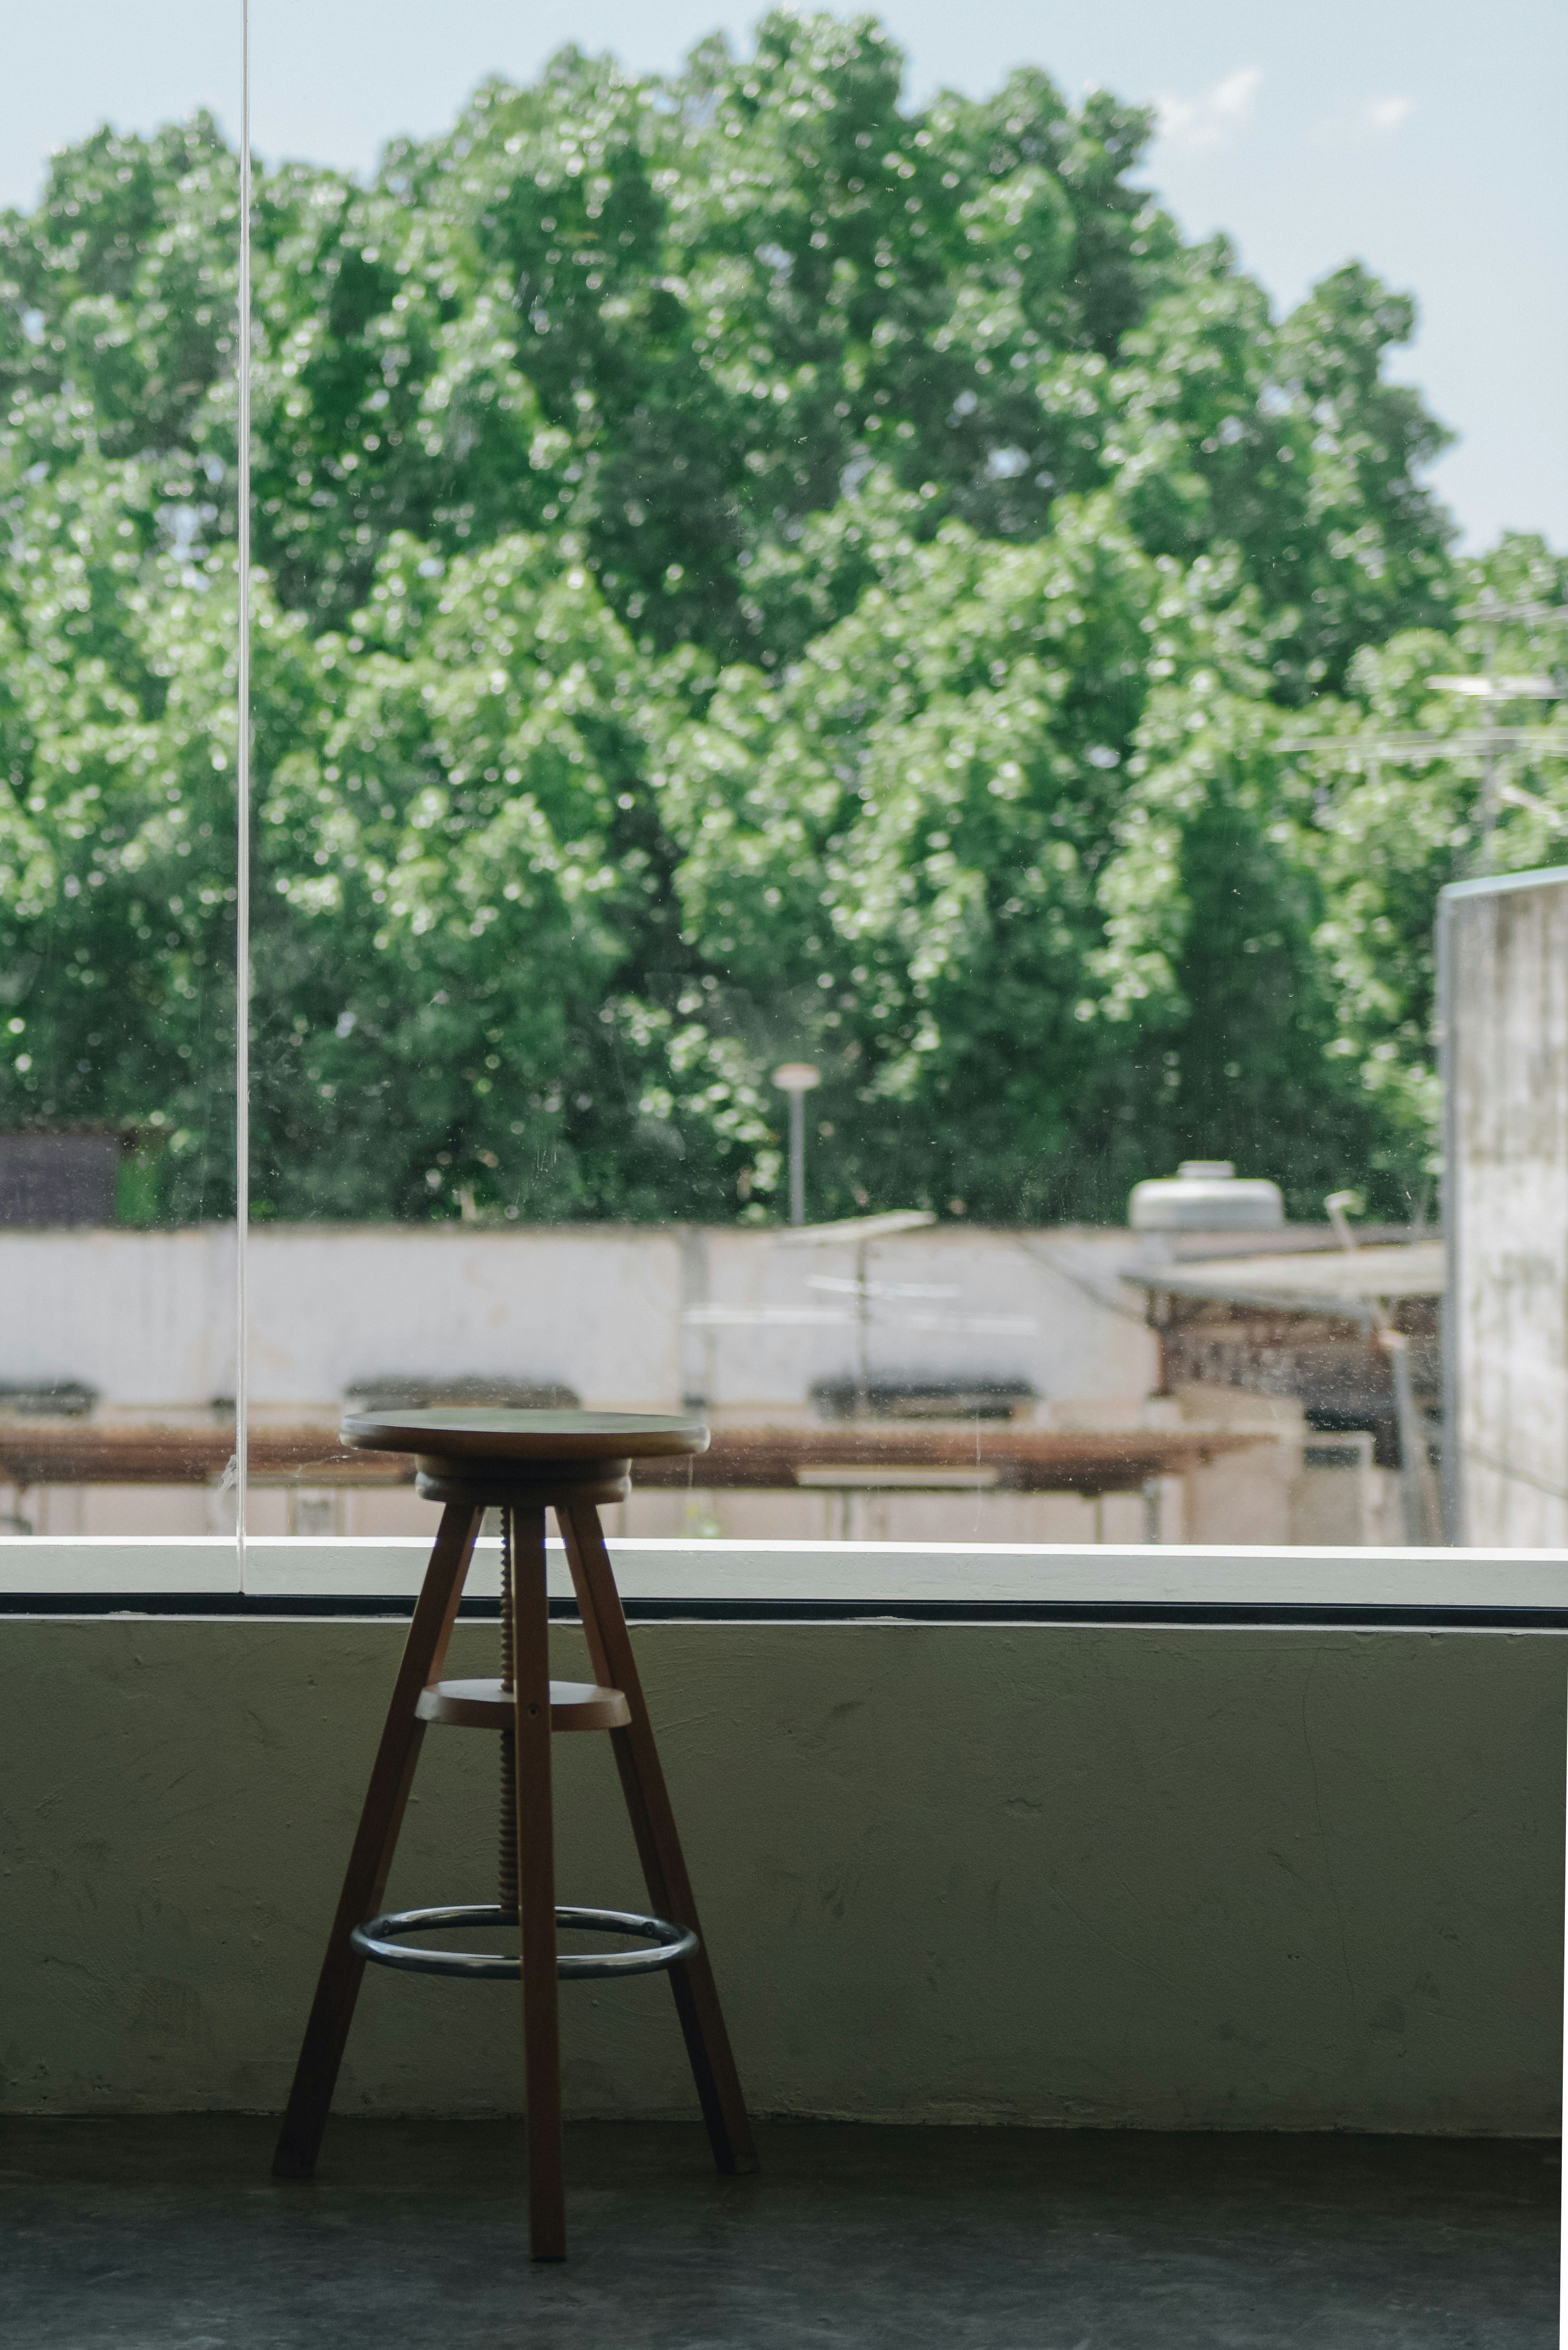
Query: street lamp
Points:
[797, 1079]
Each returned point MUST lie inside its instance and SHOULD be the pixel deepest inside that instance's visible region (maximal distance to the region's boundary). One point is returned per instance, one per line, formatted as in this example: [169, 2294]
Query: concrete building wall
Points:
[1086, 1877]
[1505, 952]
[147, 1317]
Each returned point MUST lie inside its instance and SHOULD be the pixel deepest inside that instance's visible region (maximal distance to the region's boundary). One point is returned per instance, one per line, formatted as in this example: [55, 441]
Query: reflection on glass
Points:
[758, 571]
[118, 634]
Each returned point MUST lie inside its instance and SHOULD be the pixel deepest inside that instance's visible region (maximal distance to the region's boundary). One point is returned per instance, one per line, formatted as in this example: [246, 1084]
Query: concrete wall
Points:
[1503, 947]
[147, 1318]
[1172, 1879]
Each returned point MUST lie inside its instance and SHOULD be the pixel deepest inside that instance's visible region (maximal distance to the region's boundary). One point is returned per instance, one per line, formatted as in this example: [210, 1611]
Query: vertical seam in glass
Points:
[243, 824]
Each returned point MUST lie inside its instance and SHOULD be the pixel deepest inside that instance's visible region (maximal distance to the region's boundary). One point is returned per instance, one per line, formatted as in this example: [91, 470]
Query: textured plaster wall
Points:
[1123, 1877]
[1505, 955]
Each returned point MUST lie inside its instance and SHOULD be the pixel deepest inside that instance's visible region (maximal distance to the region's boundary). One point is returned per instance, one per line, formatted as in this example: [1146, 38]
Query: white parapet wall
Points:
[1503, 954]
[632, 1317]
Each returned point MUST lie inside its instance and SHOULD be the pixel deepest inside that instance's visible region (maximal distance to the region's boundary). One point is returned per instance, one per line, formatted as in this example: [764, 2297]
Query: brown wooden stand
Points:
[522, 1463]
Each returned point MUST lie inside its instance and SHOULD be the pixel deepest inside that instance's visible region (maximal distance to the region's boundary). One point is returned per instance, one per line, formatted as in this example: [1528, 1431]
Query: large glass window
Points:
[119, 365]
[859, 720]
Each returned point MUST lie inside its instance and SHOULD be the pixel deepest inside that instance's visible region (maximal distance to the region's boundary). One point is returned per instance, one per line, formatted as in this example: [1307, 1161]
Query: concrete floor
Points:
[169, 2235]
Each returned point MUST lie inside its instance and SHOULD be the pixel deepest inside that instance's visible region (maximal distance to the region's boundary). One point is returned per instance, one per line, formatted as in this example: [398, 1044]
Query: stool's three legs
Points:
[653, 1826]
[657, 1844]
[385, 1799]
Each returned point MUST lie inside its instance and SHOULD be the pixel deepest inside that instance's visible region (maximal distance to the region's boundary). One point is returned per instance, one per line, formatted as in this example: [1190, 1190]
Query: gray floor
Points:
[169, 2235]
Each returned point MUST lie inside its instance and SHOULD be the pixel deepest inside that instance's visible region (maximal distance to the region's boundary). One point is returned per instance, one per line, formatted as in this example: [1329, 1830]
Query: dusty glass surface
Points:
[826, 658]
[118, 352]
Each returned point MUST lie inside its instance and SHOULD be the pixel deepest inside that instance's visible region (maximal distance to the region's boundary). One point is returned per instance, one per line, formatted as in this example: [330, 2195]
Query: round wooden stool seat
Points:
[489, 1457]
[491, 1705]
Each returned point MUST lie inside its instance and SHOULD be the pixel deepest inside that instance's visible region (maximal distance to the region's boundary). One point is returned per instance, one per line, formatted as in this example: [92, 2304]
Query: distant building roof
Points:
[1327, 1281]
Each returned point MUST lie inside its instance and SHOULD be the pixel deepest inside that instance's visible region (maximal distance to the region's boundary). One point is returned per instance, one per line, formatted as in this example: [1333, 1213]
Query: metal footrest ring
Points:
[380, 1938]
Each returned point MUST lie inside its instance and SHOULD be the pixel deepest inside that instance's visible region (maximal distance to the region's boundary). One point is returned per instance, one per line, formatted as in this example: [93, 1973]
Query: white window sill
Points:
[857, 1579]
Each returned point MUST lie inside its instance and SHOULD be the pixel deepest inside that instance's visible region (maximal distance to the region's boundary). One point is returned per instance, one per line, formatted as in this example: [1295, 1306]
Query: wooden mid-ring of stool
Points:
[521, 1462]
[490, 1705]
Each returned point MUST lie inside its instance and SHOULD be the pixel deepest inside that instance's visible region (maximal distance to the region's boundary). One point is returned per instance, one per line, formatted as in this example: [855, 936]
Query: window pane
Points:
[829, 653]
[118, 638]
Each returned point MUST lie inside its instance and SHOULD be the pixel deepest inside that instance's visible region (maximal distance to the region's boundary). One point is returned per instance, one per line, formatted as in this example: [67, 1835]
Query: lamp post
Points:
[797, 1079]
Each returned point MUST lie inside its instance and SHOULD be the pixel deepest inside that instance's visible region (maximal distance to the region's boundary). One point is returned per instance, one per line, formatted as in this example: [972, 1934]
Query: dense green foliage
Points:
[745, 571]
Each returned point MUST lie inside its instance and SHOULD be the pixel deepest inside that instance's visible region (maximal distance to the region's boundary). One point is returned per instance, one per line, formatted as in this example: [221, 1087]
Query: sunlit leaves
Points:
[747, 565]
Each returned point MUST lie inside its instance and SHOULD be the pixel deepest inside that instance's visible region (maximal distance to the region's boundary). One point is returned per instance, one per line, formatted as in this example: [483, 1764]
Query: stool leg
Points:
[370, 1863]
[536, 1888]
[657, 1844]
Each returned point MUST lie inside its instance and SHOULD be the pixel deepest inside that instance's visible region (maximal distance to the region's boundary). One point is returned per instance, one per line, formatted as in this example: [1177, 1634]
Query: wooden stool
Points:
[521, 1462]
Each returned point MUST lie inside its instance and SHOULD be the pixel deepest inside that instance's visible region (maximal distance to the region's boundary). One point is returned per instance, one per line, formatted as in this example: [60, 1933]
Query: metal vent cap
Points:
[1206, 1195]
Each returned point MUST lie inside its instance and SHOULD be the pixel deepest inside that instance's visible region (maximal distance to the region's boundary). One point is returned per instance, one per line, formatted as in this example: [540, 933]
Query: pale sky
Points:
[1424, 140]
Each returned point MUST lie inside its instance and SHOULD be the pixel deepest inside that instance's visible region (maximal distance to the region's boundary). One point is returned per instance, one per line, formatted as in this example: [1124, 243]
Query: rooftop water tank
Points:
[1206, 1195]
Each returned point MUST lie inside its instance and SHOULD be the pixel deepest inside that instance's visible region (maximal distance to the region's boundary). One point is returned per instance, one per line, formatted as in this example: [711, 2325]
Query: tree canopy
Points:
[746, 569]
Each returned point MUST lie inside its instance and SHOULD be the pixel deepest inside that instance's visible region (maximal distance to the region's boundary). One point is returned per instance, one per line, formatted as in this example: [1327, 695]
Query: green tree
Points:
[746, 567]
